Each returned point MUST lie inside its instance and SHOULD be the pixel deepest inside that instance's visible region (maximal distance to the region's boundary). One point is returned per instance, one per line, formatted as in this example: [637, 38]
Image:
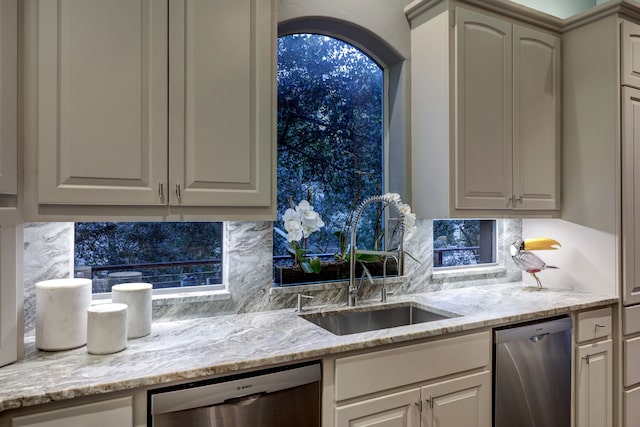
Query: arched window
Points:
[330, 137]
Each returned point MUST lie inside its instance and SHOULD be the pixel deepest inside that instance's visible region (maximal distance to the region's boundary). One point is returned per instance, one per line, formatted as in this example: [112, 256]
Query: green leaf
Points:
[367, 257]
[311, 265]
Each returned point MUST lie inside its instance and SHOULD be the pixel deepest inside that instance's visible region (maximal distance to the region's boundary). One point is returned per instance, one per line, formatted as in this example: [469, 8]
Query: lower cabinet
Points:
[106, 413]
[463, 401]
[438, 383]
[399, 409]
[594, 369]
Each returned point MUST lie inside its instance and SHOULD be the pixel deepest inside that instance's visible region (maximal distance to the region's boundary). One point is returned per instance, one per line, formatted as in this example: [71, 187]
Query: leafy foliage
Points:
[450, 234]
[330, 139]
[103, 243]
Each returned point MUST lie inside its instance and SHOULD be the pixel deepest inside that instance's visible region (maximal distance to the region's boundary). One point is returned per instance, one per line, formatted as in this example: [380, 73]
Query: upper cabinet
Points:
[630, 54]
[167, 104]
[485, 115]
[8, 97]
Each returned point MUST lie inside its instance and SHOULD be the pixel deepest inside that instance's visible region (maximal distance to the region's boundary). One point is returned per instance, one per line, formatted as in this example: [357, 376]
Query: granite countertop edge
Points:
[199, 348]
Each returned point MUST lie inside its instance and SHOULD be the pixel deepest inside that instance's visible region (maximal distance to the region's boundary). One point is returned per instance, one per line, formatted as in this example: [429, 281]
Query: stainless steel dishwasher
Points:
[532, 375]
[283, 397]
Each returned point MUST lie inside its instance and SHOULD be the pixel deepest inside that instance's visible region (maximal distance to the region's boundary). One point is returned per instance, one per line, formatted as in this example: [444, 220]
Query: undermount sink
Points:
[374, 318]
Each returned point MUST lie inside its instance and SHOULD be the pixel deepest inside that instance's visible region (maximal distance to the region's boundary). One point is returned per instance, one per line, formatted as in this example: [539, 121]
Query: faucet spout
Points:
[383, 291]
[387, 199]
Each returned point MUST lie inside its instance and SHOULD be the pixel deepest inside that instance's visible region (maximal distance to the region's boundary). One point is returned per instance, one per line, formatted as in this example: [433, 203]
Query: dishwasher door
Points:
[285, 397]
[532, 375]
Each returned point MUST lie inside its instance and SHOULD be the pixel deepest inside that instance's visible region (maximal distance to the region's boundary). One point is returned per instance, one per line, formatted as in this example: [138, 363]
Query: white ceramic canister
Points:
[106, 328]
[61, 313]
[138, 297]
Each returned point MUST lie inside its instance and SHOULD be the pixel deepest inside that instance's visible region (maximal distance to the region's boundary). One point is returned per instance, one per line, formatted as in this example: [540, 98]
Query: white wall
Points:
[560, 8]
[588, 259]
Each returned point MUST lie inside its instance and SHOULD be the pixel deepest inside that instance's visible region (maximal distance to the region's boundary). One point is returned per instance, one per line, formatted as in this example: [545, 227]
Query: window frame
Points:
[495, 249]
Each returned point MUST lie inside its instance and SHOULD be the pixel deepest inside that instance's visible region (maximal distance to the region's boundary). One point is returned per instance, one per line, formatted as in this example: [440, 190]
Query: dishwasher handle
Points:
[527, 331]
[538, 338]
[204, 395]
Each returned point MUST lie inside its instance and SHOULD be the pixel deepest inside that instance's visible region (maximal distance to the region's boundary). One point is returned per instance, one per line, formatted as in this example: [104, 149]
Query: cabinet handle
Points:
[419, 405]
[178, 193]
[518, 201]
[161, 191]
[430, 401]
[586, 358]
[510, 202]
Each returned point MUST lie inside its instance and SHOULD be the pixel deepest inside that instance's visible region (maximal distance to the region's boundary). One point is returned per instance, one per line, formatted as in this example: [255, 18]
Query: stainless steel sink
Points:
[358, 320]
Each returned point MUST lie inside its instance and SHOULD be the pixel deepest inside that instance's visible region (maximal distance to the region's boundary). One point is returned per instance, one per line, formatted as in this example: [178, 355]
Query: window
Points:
[168, 255]
[330, 138]
[463, 242]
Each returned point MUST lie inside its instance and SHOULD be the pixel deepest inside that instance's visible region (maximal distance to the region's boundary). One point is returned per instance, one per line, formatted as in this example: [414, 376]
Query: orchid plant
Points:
[300, 221]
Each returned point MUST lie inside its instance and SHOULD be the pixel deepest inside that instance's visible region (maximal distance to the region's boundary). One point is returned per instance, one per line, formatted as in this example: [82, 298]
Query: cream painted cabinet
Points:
[463, 401]
[486, 114]
[11, 297]
[221, 102]
[102, 101]
[400, 409]
[396, 387]
[165, 103]
[630, 54]
[8, 96]
[108, 413]
[594, 369]
[631, 192]
[594, 376]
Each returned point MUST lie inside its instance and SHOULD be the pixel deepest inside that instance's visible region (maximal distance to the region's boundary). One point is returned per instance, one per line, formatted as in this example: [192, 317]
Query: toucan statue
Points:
[530, 262]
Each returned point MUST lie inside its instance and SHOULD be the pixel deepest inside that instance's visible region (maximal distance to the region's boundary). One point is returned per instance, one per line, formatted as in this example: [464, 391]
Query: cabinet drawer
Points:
[631, 320]
[631, 407]
[114, 412]
[593, 324]
[381, 370]
[631, 350]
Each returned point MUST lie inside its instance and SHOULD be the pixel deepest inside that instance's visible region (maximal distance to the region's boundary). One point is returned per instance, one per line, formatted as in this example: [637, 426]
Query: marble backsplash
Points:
[48, 252]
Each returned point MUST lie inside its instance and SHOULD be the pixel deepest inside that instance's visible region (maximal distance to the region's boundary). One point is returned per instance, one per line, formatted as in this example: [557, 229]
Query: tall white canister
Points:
[61, 313]
[138, 297]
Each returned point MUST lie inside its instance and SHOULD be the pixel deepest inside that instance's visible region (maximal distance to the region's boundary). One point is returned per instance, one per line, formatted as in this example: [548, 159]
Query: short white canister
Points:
[138, 297]
[61, 313]
[106, 328]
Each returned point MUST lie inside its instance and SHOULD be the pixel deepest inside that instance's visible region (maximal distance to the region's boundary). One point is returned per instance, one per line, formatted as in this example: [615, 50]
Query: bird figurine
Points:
[528, 261]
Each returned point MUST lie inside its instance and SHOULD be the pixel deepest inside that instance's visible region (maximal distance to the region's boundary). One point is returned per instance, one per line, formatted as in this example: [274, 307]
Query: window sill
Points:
[176, 297]
[315, 287]
[470, 273]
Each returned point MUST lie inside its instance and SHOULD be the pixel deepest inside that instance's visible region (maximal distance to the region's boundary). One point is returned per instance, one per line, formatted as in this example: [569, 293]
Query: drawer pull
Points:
[598, 326]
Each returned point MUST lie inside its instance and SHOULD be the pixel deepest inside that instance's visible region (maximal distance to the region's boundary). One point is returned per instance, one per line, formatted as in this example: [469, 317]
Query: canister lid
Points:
[63, 283]
[112, 307]
[129, 287]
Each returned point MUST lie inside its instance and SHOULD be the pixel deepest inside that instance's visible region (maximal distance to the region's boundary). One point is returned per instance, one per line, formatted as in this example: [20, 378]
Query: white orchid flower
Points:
[391, 197]
[301, 221]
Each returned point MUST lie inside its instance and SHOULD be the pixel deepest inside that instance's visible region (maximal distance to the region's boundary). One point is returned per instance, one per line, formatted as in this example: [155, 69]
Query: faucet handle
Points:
[300, 296]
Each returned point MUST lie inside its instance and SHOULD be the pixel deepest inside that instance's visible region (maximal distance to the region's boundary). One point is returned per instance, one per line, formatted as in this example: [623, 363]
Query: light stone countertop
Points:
[195, 348]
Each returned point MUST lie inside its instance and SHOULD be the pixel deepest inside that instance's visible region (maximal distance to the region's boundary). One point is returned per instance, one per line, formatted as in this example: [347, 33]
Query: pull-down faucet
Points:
[387, 199]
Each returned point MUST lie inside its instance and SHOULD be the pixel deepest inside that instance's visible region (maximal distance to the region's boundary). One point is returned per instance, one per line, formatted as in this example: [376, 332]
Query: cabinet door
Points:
[109, 413]
[8, 96]
[536, 119]
[594, 377]
[630, 54]
[102, 101]
[483, 145]
[631, 196]
[464, 401]
[11, 249]
[399, 409]
[222, 70]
